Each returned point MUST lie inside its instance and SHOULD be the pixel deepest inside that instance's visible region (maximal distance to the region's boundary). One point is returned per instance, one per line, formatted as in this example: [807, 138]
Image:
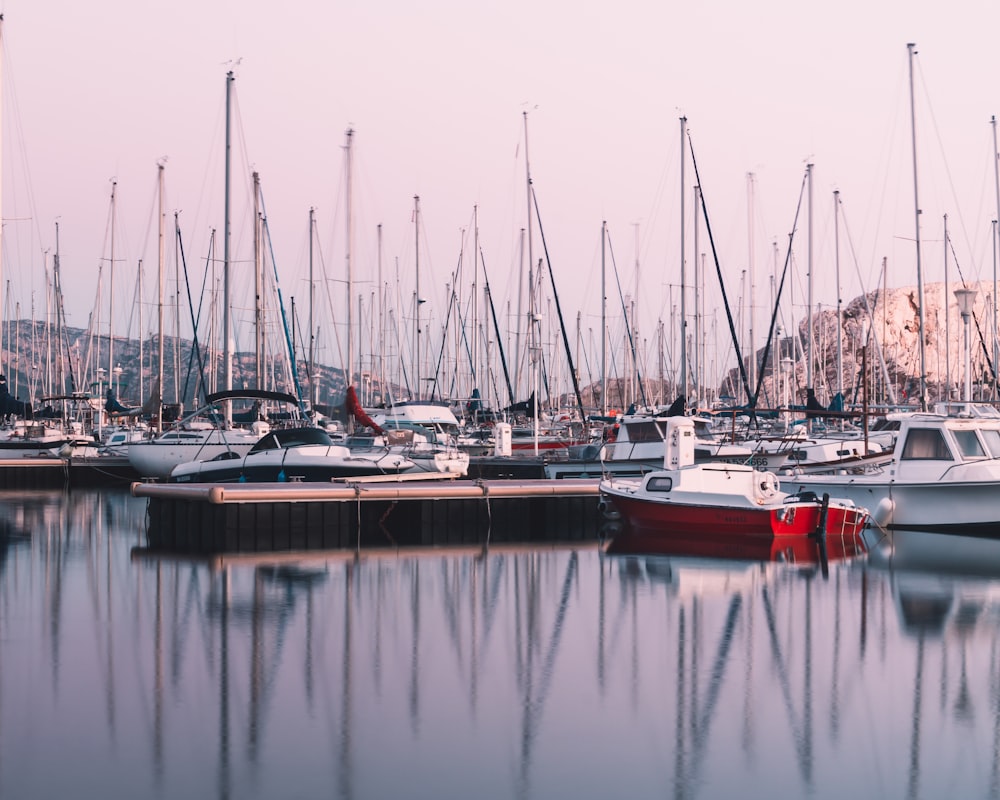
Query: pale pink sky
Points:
[435, 92]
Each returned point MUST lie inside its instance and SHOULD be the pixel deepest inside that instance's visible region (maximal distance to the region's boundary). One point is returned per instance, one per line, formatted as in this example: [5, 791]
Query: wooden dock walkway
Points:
[356, 514]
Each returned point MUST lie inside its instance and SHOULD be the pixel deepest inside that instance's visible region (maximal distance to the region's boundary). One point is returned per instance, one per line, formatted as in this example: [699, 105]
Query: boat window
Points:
[992, 439]
[643, 432]
[659, 483]
[968, 444]
[926, 444]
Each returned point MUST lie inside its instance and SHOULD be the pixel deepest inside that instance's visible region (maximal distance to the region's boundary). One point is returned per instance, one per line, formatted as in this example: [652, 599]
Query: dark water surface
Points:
[534, 674]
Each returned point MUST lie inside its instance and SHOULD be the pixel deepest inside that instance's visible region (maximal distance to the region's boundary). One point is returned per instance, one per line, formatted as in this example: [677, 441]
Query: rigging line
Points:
[628, 328]
[281, 309]
[452, 301]
[195, 346]
[722, 286]
[975, 317]
[562, 322]
[765, 358]
[864, 296]
[947, 169]
[329, 299]
[496, 329]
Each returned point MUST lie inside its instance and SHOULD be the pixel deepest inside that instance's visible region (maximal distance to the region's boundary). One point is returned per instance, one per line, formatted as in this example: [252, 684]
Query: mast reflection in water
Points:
[544, 673]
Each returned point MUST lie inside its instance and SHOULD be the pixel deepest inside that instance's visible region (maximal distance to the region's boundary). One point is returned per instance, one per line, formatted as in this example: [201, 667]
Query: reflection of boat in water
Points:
[737, 546]
[972, 555]
[687, 499]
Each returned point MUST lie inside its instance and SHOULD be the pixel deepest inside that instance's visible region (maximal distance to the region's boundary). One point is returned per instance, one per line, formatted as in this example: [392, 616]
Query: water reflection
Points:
[519, 673]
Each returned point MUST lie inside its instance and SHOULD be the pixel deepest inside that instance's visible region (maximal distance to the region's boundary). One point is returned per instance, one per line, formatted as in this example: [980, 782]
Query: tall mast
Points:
[227, 353]
[313, 389]
[684, 370]
[836, 255]
[349, 235]
[416, 299]
[111, 290]
[531, 258]
[258, 283]
[996, 184]
[604, 323]
[751, 351]
[381, 318]
[911, 47]
[809, 287]
[1, 192]
[947, 308]
[161, 290]
[699, 379]
[475, 297]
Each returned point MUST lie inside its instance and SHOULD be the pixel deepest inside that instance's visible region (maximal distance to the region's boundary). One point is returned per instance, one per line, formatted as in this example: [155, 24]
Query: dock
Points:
[59, 472]
[208, 519]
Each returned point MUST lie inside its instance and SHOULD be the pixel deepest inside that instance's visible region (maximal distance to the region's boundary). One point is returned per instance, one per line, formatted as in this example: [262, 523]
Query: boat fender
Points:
[882, 515]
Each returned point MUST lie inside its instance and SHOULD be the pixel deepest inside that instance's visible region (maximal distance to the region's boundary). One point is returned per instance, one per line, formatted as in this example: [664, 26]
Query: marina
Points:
[376, 459]
[519, 671]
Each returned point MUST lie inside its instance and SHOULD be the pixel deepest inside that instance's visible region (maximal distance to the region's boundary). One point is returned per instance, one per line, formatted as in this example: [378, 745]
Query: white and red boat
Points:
[687, 499]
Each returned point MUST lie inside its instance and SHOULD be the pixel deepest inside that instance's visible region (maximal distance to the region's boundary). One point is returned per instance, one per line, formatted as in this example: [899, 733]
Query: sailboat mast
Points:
[947, 308]
[699, 379]
[996, 185]
[840, 302]
[381, 317]
[111, 290]
[161, 291]
[349, 236]
[227, 353]
[258, 282]
[604, 321]
[911, 48]
[684, 370]
[531, 262]
[314, 394]
[809, 286]
[416, 299]
[475, 297]
[752, 281]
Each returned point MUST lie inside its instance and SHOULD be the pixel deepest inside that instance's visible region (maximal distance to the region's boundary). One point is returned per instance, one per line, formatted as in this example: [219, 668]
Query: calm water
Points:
[534, 674]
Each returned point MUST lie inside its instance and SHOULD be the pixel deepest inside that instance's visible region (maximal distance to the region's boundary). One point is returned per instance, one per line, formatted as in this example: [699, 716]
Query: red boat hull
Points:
[785, 519]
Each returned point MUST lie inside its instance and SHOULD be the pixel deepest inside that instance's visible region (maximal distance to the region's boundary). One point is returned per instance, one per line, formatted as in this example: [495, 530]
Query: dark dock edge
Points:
[209, 519]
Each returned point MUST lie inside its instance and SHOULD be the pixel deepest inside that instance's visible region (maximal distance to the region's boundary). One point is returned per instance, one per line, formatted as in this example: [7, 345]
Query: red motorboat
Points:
[689, 499]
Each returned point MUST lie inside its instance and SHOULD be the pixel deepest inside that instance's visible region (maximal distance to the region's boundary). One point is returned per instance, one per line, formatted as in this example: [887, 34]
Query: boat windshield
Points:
[992, 439]
[968, 444]
[926, 444]
[292, 437]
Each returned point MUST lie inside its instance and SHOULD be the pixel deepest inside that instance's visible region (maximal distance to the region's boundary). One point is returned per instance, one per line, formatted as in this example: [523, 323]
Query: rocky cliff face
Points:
[896, 330]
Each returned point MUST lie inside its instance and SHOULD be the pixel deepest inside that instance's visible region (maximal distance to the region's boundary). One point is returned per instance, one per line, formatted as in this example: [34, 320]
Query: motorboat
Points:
[423, 432]
[689, 499]
[944, 476]
[639, 439]
[290, 454]
[415, 443]
[204, 435]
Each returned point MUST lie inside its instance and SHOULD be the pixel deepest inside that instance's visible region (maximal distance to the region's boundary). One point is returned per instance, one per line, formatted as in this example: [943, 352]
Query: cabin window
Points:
[659, 483]
[969, 445]
[992, 439]
[926, 444]
[643, 432]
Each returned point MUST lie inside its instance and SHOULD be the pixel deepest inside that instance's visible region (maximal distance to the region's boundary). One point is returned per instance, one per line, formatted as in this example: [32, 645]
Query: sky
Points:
[436, 94]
